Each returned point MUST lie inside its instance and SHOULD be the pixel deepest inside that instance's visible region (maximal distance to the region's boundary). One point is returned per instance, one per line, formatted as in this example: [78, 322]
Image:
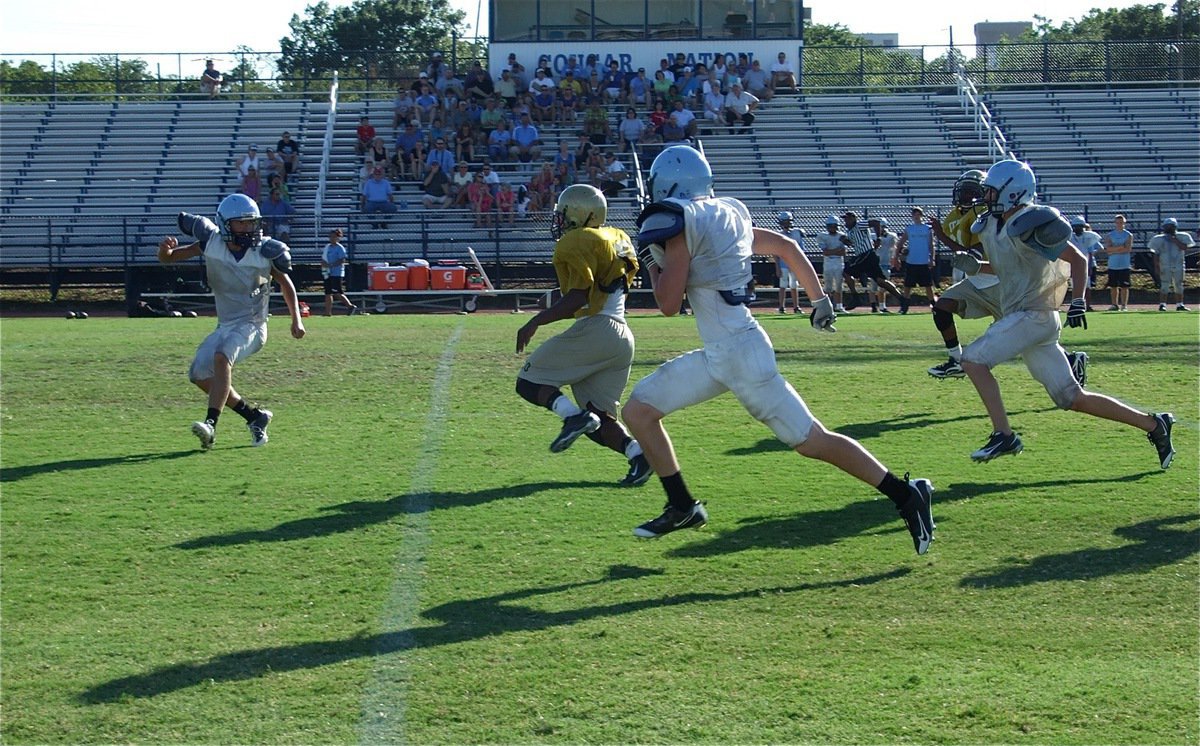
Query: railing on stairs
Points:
[985, 125]
[326, 153]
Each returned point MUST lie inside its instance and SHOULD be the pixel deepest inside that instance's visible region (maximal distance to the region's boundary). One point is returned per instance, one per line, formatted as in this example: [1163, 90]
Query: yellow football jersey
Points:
[957, 224]
[592, 259]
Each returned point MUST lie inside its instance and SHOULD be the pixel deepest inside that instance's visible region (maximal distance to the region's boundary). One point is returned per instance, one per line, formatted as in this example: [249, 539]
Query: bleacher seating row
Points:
[83, 183]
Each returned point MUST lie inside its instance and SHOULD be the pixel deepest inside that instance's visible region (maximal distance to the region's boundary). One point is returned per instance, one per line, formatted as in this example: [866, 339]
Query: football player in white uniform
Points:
[701, 244]
[1028, 248]
[240, 265]
[595, 264]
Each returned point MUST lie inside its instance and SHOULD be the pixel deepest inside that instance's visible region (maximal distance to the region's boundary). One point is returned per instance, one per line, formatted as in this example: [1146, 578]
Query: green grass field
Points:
[407, 562]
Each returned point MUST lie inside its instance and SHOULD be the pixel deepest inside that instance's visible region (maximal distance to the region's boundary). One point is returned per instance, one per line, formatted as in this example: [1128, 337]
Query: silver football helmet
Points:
[239, 207]
[1008, 184]
[579, 206]
[680, 172]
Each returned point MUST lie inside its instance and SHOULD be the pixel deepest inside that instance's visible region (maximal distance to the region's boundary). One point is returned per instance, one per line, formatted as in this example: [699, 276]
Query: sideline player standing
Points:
[977, 294]
[595, 264]
[240, 265]
[787, 280]
[1028, 247]
[702, 244]
[333, 267]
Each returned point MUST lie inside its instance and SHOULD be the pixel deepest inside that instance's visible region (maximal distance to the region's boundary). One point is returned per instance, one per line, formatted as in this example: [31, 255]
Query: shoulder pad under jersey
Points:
[278, 252]
[197, 226]
[1043, 228]
[659, 222]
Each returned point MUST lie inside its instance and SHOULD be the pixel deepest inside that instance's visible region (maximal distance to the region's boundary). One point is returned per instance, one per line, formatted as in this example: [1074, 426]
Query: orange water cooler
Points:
[418, 274]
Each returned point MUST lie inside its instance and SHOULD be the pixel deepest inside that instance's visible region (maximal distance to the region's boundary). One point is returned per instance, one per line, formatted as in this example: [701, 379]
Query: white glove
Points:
[822, 316]
[965, 262]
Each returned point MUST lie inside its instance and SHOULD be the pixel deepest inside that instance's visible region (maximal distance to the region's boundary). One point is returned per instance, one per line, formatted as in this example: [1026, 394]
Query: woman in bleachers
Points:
[276, 183]
[660, 87]
[251, 185]
[480, 198]
[541, 189]
[465, 138]
[564, 158]
[376, 155]
[569, 103]
[632, 130]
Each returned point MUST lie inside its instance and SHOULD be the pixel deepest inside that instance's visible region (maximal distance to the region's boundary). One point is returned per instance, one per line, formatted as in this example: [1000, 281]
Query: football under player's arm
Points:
[670, 284]
[771, 243]
[564, 308]
[289, 297]
[170, 252]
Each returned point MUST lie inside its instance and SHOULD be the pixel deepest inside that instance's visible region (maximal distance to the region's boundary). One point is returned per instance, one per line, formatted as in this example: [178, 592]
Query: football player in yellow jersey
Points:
[971, 296]
[595, 265]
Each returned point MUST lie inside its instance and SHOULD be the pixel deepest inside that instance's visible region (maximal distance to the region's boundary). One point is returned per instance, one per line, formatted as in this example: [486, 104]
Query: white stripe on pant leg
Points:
[385, 693]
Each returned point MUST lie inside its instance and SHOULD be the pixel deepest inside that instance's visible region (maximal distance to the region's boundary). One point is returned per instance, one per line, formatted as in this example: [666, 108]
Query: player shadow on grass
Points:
[1154, 544]
[17, 473]
[865, 430]
[352, 516]
[456, 622]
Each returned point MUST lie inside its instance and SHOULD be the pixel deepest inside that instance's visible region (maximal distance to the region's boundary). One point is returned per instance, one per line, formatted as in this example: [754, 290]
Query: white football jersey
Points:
[1028, 279]
[241, 287]
[720, 239]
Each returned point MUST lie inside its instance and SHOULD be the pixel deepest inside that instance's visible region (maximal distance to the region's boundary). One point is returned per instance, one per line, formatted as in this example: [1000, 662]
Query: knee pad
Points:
[530, 392]
[942, 319]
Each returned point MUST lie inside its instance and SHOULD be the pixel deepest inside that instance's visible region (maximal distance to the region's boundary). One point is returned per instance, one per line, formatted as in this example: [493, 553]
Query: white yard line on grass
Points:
[385, 693]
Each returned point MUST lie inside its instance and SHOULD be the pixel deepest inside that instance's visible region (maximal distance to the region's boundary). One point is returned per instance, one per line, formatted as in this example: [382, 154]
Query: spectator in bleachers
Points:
[564, 158]
[658, 117]
[916, 248]
[211, 80]
[276, 183]
[449, 89]
[1119, 245]
[427, 105]
[613, 179]
[739, 107]
[782, 73]
[459, 181]
[490, 177]
[376, 155]
[506, 203]
[479, 198]
[410, 152]
[526, 141]
[419, 84]
[632, 131]
[613, 82]
[712, 84]
[464, 142]
[434, 70]
[685, 117]
[591, 66]
[572, 82]
[499, 142]
[583, 151]
[568, 107]
[714, 105]
[593, 90]
[673, 132]
[664, 67]
[441, 156]
[639, 89]
[365, 133]
[595, 167]
[478, 84]
[249, 160]
[439, 131]
[573, 67]
[660, 86]
[520, 77]
[1169, 247]
[289, 150]
[271, 164]
[596, 125]
[435, 186]
[403, 106]
[719, 68]
[277, 215]
[541, 189]
[541, 81]
[678, 64]
[506, 88]
[544, 106]
[491, 116]
[757, 82]
[251, 184]
[377, 196]
[689, 87]
[524, 106]
[459, 115]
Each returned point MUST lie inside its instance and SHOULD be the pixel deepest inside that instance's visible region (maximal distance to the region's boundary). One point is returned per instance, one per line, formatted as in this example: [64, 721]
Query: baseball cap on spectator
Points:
[687, 68]
[1078, 220]
[1170, 221]
[918, 210]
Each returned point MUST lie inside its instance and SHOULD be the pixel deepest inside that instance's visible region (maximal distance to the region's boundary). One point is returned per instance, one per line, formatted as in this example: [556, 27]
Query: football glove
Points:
[822, 316]
[965, 262]
[1077, 314]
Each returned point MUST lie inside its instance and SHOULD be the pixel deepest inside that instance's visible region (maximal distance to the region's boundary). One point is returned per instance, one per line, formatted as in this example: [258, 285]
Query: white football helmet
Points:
[239, 207]
[1008, 184]
[680, 172]
[579, 206]
[832, 220]
[785, 216]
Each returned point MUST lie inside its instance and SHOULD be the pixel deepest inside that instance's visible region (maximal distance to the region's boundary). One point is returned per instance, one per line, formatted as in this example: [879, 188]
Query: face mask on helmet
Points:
[240, 208]
[968, 189]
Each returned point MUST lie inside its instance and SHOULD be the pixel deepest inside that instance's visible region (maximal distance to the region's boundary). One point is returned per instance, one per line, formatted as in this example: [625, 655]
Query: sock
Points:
[564, 407]
[632, 449]
[895, 488]
[212, 416]
[677, 492]
[955, 351]
[247, 412]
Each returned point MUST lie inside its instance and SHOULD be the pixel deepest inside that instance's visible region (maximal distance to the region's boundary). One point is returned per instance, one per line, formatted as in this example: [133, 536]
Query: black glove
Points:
[1077, 314]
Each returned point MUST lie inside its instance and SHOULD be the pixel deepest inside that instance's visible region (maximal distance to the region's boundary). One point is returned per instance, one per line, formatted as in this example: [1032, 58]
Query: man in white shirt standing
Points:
[1169, 246]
